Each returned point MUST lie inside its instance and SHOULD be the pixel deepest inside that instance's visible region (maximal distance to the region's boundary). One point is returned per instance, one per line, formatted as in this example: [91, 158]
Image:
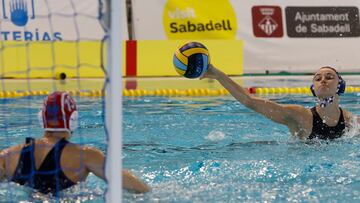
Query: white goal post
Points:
[113, 98]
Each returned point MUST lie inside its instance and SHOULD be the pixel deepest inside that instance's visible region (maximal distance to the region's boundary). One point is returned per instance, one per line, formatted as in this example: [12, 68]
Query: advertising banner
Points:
[155, 57]
[292, 36]
[54, 20]
[43, 38]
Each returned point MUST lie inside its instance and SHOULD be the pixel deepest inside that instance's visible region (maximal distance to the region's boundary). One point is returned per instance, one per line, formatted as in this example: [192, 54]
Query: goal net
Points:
[52, 45]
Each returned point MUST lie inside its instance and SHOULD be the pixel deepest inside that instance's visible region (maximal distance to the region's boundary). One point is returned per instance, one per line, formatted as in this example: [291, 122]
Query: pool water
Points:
[203, 149]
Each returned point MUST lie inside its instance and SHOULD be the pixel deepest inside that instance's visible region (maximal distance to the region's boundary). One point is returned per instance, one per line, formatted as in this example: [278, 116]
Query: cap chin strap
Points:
[325, 101]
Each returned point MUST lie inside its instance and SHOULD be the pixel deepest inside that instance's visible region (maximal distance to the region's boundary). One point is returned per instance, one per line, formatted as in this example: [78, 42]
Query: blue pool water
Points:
[203, 149]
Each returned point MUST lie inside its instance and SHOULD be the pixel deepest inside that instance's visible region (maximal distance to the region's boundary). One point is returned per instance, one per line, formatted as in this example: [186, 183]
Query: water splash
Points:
[215, 136]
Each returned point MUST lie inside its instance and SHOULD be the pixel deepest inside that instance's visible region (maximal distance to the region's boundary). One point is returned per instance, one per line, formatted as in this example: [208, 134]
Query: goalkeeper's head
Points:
[59, 113]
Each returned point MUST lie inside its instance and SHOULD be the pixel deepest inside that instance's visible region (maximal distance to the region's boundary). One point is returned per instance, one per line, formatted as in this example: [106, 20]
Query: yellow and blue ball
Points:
[191, 60]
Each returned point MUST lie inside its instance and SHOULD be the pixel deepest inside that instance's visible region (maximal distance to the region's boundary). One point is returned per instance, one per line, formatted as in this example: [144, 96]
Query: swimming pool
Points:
[216, 150]
[202, 149]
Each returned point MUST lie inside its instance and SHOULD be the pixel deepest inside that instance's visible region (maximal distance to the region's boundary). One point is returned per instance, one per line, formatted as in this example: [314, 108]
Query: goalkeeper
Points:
[51, 163]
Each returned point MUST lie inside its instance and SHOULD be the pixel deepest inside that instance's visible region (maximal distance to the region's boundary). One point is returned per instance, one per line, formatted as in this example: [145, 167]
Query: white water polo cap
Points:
[59, 113]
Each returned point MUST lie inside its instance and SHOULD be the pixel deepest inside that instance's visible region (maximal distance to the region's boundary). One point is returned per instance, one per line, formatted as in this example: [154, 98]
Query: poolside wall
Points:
[84, 59]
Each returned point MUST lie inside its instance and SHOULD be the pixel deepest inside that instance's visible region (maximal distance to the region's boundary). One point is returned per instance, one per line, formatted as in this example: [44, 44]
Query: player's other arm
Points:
[95, 163]
[2, 164]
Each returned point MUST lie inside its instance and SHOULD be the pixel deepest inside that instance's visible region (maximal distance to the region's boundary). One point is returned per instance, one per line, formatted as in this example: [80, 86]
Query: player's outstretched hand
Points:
[211, 73]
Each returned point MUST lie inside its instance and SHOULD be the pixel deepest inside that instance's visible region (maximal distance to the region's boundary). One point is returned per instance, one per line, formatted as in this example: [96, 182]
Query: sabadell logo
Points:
[199, 19]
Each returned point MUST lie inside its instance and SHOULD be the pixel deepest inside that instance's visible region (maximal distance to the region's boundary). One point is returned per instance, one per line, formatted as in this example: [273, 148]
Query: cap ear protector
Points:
[340, 88]
[74, 121]
[58, 113]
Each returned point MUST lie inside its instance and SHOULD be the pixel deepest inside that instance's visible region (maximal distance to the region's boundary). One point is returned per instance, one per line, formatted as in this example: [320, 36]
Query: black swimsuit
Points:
[49, 177]
[322, 131]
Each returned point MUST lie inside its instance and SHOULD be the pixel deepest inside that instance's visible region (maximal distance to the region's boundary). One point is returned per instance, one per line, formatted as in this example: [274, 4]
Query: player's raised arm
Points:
[279, 113]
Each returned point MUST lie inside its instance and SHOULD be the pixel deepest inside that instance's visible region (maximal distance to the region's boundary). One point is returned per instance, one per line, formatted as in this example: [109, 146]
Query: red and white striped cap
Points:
[59, 113]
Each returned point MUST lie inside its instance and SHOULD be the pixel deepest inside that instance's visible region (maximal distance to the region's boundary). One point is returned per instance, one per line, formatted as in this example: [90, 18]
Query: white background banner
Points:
[54, 20]
[293, 36]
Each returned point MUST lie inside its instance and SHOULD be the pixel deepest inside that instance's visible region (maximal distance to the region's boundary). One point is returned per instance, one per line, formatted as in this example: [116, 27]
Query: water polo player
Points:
[51, 163]
[326, 120]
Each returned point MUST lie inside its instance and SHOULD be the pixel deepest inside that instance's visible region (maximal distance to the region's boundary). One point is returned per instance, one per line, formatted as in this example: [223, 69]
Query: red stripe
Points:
[131, 84]
[131, 58]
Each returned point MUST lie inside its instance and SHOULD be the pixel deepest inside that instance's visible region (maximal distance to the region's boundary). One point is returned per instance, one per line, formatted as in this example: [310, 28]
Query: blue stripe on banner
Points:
[179, 64]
